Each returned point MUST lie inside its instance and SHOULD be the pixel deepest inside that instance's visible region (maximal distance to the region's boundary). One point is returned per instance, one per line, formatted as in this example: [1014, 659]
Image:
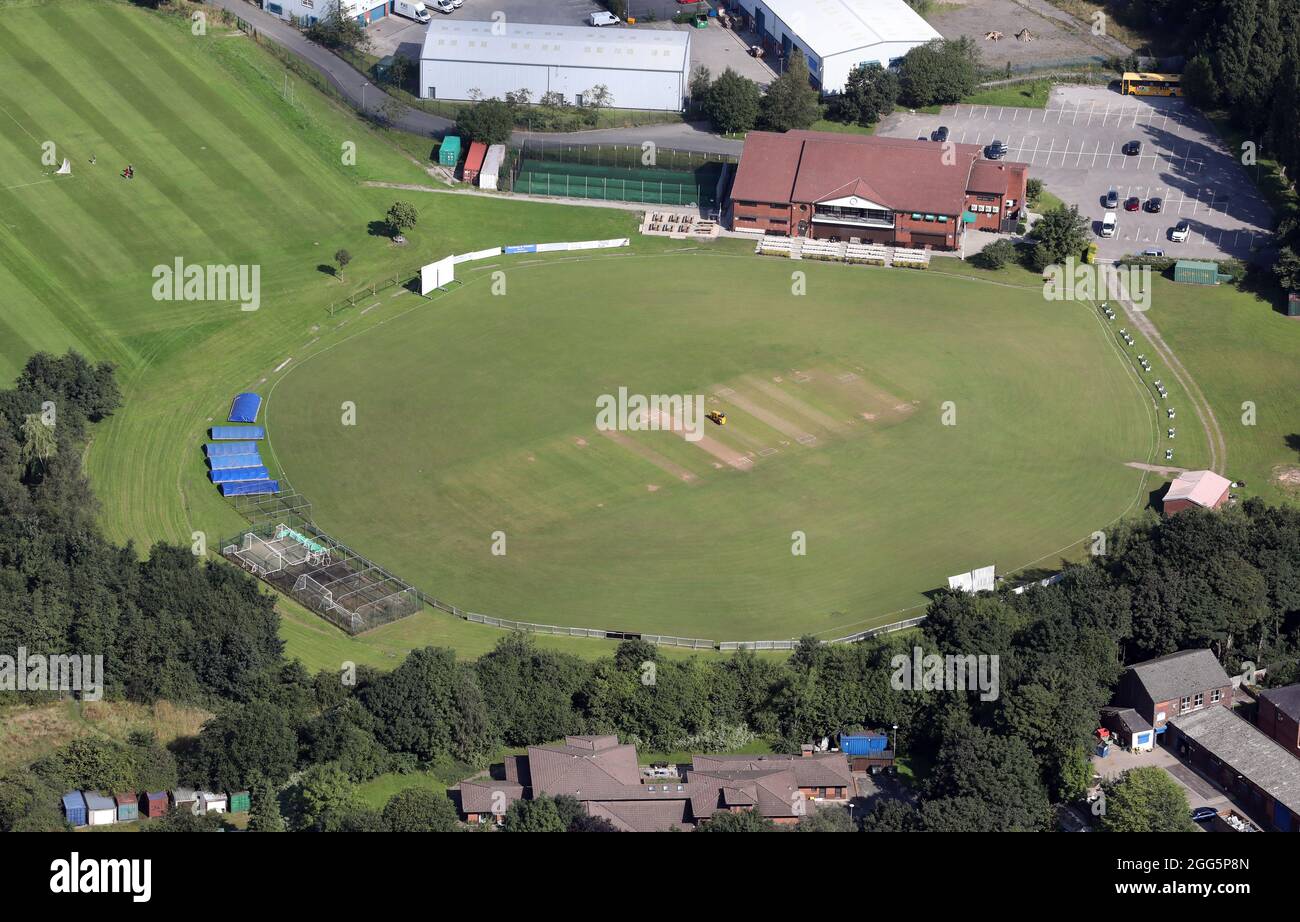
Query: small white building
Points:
[209, 802]
[100, 810]
[641, 68]
[492, 163]
[837, 35]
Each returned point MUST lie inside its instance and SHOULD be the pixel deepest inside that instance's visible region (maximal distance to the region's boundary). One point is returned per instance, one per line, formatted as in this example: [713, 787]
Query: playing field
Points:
[477, 415]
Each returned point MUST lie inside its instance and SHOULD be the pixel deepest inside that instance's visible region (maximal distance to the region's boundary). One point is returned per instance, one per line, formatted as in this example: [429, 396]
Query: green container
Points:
[239, 802]
[1196, 272]
[449, 152]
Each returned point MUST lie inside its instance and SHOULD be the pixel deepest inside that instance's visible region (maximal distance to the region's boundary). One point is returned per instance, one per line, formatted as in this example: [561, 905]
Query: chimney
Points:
[805, 751]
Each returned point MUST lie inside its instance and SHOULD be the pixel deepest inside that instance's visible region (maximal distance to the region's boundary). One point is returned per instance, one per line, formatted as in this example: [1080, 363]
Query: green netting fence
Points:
[620, 184]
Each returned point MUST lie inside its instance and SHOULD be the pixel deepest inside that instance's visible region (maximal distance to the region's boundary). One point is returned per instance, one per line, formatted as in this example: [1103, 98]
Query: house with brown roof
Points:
[605, 777]
[890, 191]
[1170, 686]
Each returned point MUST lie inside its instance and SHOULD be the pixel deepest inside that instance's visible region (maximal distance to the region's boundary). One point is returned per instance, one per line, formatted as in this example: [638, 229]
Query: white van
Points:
[1108, 224]
[411, 9]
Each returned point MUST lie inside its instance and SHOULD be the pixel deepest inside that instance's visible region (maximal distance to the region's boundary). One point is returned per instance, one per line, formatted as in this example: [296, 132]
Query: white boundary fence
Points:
[728, 645]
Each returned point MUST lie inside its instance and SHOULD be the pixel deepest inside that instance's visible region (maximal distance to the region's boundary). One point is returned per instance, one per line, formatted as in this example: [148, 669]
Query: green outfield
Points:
[477, 414]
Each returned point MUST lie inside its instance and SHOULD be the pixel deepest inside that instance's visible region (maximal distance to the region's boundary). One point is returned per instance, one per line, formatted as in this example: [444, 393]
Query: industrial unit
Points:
[835, 36]
[642, 69]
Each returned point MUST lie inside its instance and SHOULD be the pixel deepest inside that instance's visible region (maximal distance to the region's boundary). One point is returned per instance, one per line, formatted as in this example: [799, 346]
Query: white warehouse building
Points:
[643, 68]
[836, 36]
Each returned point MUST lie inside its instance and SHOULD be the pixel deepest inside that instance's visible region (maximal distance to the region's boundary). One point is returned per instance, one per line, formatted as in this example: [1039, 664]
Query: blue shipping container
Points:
[864, 745]
[74, 806]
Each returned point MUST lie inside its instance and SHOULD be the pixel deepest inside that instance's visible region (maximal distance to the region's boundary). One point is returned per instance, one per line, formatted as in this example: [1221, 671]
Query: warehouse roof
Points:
[834, 26]
[1205, 488]
[1178, 674]
[1247, 751]
[569, 46]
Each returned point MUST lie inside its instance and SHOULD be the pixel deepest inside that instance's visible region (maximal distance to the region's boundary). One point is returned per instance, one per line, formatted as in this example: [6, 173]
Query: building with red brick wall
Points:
[1279, 716]
[1205, 489]
[878, 190]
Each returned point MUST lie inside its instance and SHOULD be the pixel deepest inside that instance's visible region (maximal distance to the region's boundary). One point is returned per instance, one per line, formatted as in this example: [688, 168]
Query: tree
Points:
[430, 706]
[419, 810]
[892, 816]
[1060, 233]
[490, 121]
[996, 255]
[1145, 800]
[742, 821]
[732, 103]
[402, 217]
[701, 81]
[264, 815]
[1033, 190]
[791, 101]
[342, 257]
[335, 29]
[399, 71]
[870, 93]
[184, 821]
[1200, 86]
[244, 745]
[827, 819]
[39, 444]
[938, 72]
[537, 815]
[1287, 269]
[324, 790]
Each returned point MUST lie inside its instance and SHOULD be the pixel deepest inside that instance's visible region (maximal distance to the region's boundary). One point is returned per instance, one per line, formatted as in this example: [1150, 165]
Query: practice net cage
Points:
[347, 589]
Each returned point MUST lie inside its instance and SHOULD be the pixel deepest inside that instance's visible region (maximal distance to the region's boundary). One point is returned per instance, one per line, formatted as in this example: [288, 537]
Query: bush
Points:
[996, 255]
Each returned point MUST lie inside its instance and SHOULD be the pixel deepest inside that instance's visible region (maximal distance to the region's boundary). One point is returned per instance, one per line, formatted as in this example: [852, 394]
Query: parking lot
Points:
[1076, 146]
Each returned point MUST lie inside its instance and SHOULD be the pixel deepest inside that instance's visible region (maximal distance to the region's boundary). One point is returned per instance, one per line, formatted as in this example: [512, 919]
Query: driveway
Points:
[1076, 146]
[1200, 792]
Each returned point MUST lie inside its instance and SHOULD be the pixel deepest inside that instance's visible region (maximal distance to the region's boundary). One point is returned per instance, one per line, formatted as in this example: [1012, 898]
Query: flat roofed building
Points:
[836, 36]
[640, 68]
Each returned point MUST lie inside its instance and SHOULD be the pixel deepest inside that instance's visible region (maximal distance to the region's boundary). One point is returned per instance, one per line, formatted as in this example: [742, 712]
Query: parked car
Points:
[1178, 233]
[1204, 814]
[444, 6]
[1153, 251]
[1155, 205]
[1133, 148]
[1132, 203]
[603, 18]
[1108, 224]
[996, 151]
[1112, 199]
[940, 133]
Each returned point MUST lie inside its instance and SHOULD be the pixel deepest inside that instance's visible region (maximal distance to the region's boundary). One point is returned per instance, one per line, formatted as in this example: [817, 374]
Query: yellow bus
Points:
[1138, 84]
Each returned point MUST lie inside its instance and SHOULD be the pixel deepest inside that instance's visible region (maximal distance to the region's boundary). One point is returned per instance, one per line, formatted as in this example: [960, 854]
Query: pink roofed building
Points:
[1196, 488]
